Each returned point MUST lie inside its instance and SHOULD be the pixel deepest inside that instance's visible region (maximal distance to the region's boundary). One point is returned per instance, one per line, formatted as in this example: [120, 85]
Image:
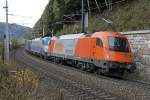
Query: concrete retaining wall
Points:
[140, 44]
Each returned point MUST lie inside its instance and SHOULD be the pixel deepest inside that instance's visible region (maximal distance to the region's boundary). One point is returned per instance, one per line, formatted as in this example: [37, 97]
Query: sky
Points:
[23, 12]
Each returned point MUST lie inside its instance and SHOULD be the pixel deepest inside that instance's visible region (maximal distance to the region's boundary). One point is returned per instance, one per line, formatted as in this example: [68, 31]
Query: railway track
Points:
[81, 85]
[72, 88]
[132, 81]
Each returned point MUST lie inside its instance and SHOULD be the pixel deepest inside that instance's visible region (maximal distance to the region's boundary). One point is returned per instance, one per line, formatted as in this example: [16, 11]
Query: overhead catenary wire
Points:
[97, 6]
[88, 2]
[102, 18]
[104, 5]
[110, 5]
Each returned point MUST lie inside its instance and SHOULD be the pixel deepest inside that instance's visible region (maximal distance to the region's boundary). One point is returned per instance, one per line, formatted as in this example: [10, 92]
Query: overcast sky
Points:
[25, 12]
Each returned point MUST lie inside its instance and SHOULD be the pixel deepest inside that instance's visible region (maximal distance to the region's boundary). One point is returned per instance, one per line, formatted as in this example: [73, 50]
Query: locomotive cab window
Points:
[99, 42]
[118, 44]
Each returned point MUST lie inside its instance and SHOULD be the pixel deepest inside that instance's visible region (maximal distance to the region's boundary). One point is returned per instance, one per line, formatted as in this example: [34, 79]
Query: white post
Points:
[43, 31]
[6, 36]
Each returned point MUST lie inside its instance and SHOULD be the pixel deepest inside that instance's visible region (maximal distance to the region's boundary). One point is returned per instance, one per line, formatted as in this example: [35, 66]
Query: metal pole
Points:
[89, 9]
[43, 31]
[86, 21]
[106, 3]
[43, 28]
[97, 6]
[6, 36]
[82, 23]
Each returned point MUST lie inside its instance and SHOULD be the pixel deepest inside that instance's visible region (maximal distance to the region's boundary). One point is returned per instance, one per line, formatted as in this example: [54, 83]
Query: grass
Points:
[24, 84]
[1, 50]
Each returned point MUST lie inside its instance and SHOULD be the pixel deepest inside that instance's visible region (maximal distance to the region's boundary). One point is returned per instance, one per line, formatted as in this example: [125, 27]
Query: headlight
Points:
[107, 56]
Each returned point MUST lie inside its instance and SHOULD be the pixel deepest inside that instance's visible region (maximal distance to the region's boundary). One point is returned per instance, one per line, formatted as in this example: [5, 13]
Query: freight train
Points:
[100, 52]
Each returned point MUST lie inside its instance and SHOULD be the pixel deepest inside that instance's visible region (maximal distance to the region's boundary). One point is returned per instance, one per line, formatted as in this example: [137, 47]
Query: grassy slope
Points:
[128, 17]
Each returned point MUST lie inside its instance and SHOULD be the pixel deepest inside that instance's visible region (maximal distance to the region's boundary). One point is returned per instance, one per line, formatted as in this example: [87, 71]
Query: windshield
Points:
[118, 44]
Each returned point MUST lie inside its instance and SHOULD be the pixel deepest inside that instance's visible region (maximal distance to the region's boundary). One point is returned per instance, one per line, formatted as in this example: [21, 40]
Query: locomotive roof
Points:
[71, 36]
[96, 34]
[108, 34]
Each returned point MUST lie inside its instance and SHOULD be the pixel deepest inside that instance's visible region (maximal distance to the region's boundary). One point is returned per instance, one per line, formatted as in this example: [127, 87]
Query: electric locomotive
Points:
[38, 46]
[101, 52]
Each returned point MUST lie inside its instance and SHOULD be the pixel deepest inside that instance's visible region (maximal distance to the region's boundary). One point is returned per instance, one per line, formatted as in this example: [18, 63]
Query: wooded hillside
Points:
[64, 15]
